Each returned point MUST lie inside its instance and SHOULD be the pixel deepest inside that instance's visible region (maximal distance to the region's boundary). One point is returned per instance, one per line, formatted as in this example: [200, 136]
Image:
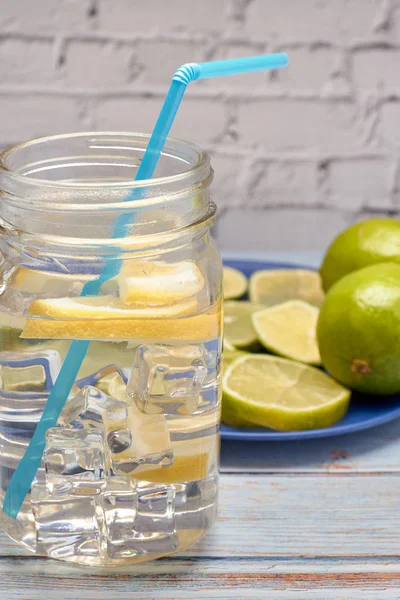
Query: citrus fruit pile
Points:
[304, 340]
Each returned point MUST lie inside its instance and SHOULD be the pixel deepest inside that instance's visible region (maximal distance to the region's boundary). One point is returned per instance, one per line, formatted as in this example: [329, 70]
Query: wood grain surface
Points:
[277, 536]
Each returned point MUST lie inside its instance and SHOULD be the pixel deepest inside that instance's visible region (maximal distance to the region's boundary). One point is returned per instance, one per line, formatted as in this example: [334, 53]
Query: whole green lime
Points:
[363, 244]
[358, 330]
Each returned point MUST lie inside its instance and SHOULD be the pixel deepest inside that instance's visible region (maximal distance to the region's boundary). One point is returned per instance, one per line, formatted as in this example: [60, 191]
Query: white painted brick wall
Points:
[298, 153]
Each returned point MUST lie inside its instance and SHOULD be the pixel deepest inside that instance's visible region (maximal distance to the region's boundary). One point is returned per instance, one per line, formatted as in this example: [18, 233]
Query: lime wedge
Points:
[276, 286]
[238, 327]
[281, 394]
[228, 356]
[290, 330]
[235, 283]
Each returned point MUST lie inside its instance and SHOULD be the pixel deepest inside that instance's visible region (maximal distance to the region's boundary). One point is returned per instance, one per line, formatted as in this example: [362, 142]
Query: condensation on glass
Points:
[130, 471]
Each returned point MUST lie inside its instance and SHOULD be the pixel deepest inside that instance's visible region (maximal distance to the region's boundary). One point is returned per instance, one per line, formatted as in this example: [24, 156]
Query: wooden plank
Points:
[285, 516]
[374, 451]
[290, 537]
[175, 578]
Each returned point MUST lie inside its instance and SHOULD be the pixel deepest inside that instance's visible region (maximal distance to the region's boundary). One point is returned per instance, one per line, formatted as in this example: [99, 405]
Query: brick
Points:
[93, 63]
[158, 16]
[305, 20]
[280, 183]
[279, 229]
[34, 116]
[126, 114]
[299, 124]
[43, 16]
[394, 23]
[389, 130]
[308, 69]
[355, 184]
[159, 60]
[376, 69]
[26, 61]
[198, 121]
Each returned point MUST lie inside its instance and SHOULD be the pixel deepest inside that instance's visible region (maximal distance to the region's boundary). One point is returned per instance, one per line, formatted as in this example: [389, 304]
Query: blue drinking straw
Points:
[24, 474]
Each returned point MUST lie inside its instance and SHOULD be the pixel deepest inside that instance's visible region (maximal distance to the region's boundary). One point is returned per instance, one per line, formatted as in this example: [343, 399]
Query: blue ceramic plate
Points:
[364, 411]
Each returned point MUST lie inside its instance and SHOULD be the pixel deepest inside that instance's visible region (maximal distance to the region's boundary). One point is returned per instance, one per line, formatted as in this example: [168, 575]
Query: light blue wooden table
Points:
[318, 519]
[298, 520]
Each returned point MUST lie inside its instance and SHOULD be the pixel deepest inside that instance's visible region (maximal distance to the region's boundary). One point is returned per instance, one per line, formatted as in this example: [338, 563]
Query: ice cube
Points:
[168, 379]
[66, 526]
[139, 518]
[103, 377]
[134, 440]
[138, 441]
[29, 373]
[75, 461]
[88, 407]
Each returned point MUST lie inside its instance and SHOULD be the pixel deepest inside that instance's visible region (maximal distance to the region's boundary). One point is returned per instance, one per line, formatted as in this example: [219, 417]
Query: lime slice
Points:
[238, 326]
[275, 286]
[229, 356]
[235, 283]
[282, 394]
[290, 330]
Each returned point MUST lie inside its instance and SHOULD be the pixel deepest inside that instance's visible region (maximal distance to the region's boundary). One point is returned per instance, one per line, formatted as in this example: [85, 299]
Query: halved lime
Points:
[290, 330]
[235, 283]
[281, 394]
[238, 327]
[272, 287]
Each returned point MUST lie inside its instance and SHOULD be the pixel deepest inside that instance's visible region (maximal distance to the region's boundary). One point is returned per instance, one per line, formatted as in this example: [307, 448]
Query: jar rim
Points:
[202, 162]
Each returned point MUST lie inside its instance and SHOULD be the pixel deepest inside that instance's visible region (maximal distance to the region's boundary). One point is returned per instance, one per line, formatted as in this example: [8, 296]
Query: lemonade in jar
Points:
[129, 471]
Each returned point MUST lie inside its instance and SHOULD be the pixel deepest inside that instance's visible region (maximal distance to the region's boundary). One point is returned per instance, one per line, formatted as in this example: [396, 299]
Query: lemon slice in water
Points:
[102, 318]
[154, 283]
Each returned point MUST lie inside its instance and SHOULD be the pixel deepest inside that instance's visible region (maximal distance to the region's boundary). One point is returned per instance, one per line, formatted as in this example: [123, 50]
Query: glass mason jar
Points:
[128, 466]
